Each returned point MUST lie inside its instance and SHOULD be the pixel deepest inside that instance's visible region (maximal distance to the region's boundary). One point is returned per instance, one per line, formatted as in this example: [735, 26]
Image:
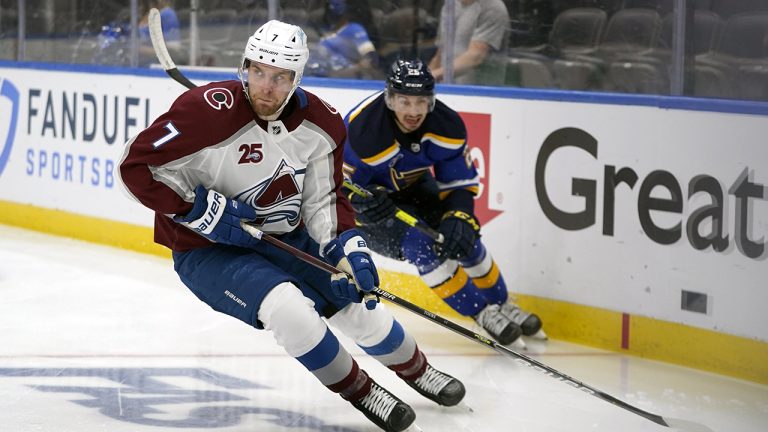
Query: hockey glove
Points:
[217, 218]
[344, 288]
[460, 231]
[373, 208]
[350, 254]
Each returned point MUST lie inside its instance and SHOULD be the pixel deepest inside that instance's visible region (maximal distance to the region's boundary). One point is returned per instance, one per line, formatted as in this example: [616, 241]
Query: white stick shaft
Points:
[158, 41]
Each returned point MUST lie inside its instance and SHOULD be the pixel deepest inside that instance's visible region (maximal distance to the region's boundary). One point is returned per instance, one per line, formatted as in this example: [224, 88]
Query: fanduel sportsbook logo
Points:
[8, 95]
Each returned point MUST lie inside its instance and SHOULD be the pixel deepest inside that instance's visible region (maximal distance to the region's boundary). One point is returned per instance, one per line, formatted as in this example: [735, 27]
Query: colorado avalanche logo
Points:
[277, 199]
[219, 97]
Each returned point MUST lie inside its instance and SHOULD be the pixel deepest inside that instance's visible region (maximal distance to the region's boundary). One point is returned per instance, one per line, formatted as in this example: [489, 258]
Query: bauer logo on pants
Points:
[8, 95]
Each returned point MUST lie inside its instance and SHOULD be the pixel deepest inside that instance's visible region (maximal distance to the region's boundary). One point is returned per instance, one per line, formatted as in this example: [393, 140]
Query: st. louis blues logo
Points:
[277, 199]
[10, 118]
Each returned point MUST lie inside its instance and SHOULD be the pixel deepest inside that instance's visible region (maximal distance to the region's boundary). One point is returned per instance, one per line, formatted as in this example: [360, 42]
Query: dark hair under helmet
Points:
[410, 77]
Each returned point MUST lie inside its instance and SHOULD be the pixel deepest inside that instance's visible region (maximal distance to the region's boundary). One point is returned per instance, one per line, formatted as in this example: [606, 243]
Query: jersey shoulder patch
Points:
[325, 116]
[200, 117]
[370, 129]
[215, 100]
[445, 122]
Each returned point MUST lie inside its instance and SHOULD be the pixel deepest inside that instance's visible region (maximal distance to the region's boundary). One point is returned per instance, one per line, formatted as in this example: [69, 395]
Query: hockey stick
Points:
[519, 358]
[161, 50]
[400, 214]
[162, 54]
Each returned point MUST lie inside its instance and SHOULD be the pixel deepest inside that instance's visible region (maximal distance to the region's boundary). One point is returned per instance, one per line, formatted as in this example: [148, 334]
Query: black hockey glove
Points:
[460, 231]
[374, 208]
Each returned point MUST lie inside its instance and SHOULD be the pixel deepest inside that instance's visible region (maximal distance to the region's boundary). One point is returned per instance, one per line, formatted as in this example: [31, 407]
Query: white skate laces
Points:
[529, 323]
[498, 325]
[385, 410]
[379, 402]
[439, 387]
[514, 313]
[432, 381]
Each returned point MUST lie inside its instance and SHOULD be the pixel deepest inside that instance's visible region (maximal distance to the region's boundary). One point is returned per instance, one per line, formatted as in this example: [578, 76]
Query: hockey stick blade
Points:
[682, 425]
[161, 50]
[678, 424]
[685, 425]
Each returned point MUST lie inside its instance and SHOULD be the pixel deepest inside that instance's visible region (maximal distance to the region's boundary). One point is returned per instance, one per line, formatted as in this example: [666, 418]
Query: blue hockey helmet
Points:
[410, 77]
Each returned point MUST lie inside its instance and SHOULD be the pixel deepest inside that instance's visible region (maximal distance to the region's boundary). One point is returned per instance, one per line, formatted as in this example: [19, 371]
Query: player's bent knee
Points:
[365, 327]
[292, 319]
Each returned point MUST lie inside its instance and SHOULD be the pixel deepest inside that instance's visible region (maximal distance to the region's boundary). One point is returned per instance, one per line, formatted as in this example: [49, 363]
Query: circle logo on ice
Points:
[219, 97]
[8, 95]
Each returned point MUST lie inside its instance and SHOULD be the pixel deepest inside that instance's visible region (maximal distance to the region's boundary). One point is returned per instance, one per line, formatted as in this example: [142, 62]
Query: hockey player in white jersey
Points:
[264, 150]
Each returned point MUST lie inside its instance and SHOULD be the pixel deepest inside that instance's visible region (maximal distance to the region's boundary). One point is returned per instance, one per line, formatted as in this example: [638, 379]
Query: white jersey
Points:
[288, 169]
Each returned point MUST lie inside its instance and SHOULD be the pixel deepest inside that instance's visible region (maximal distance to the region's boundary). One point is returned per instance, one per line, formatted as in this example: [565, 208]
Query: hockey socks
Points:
[484, 272]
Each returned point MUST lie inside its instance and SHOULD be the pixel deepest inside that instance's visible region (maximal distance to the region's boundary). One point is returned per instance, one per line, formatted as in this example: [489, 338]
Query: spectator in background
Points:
[115, 37]
[346, 50]
[482, 27]
[170, 24]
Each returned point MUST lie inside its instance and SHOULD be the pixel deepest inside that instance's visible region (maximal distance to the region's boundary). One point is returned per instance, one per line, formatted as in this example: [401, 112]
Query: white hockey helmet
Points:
[276, 44]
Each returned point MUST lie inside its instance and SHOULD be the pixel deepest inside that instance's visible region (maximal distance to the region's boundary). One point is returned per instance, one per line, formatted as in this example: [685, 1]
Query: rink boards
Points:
[630, 223]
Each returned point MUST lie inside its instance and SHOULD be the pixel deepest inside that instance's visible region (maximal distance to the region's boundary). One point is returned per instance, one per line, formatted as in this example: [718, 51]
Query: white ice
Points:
[94, 338]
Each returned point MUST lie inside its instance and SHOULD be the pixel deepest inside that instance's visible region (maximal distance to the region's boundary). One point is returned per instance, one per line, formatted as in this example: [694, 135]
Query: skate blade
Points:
[518, 344]
[540, 335]
[464, 407]
[414, 428]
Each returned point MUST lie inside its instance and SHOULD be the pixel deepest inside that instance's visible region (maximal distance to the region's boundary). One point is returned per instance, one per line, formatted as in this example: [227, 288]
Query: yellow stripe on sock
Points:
[489, 279]
[452, 285]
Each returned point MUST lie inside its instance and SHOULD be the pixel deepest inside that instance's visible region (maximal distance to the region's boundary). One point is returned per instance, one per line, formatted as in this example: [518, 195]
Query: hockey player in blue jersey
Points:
[396, 139]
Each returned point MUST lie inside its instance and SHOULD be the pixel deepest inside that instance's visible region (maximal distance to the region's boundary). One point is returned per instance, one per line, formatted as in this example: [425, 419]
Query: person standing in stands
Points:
[481, 32]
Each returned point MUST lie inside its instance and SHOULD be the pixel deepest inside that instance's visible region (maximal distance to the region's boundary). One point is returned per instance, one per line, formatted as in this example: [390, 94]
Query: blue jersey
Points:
[342, 49]
[377, 152]
[169, 23]
[349, 43]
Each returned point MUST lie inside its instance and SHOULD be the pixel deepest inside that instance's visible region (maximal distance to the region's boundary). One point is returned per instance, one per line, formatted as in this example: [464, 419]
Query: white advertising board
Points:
[619, 207]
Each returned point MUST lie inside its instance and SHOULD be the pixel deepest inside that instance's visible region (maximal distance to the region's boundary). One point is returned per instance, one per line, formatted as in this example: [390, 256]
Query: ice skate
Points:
[385, 410]
[439, 387]
[498, 325]
[529, 323]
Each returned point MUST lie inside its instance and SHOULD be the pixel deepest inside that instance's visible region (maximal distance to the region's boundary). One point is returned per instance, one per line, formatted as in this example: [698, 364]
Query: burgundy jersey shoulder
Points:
[326, 116]
[211, 113]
